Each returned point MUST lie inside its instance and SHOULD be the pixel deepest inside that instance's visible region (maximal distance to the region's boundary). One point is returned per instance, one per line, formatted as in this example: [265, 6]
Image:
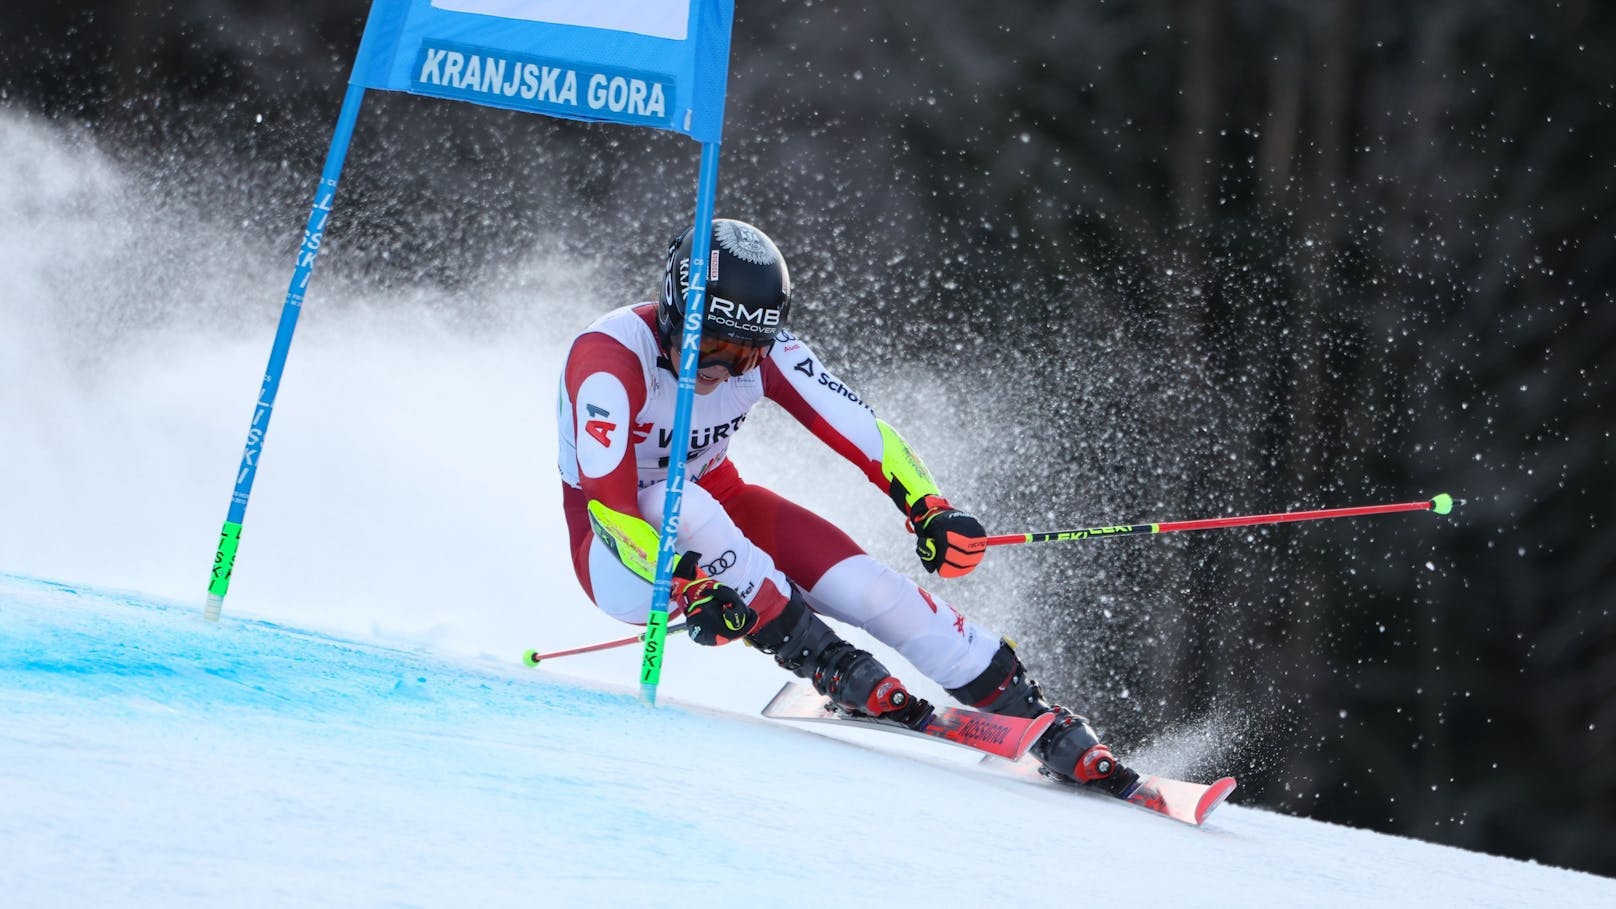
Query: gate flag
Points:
[657, 63]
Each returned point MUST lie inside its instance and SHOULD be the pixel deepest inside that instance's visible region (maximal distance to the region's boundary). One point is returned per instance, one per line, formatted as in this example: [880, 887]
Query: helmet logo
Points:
[743, 242]
[728, 313]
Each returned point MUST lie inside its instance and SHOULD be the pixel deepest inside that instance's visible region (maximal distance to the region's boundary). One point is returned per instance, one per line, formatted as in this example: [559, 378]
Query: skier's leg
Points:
[952, 650]
[1070, 749]
[802, 643]
[938, 639]
[787, 628]
[839, 580]
[976, 667]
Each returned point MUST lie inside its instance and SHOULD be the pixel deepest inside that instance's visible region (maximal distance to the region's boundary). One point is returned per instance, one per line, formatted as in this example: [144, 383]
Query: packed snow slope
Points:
[152, 759]
[357, 731]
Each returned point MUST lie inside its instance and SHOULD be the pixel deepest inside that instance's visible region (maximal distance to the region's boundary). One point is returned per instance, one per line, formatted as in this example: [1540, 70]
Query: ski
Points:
[1180, 800]
[1005, 737]
[1003, 741]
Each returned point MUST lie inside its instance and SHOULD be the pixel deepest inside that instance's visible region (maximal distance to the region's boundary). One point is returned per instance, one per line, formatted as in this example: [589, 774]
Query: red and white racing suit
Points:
[615, 418]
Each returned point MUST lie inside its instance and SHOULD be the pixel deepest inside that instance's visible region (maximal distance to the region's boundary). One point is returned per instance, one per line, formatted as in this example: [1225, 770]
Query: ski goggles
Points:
[732, 355]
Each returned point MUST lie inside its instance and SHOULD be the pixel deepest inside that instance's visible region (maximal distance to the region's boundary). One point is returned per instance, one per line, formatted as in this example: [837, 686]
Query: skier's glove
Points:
[948, 541]
[714, 613]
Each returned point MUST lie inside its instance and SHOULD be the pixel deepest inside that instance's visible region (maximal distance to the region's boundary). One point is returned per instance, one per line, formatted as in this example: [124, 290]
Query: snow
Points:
[152, 759]
[358, 730]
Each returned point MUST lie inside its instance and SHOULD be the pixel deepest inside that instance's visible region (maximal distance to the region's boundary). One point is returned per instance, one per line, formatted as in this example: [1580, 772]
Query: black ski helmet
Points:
[748, 286]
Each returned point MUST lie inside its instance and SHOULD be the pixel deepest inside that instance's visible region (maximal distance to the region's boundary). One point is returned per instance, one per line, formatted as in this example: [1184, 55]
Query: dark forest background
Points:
[1181, 259]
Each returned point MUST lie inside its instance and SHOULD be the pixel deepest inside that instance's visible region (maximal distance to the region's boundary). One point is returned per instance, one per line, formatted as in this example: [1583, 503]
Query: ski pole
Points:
[1441, 504]
[534, 658]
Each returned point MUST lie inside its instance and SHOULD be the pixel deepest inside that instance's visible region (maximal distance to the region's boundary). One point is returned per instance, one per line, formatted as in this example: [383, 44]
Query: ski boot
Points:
[1070, 750]
[854, 680]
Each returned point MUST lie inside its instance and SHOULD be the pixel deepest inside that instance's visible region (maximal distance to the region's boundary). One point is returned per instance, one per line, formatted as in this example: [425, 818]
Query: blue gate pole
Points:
[656, 624]
[224, 559]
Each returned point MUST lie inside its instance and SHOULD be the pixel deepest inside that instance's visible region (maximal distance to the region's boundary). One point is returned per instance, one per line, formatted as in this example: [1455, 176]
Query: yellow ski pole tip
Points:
[1442, 504]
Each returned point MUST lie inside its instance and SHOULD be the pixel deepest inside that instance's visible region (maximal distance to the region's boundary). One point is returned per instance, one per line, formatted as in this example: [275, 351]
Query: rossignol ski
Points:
[1003, 741]
[1006, 737]
[1180, 800]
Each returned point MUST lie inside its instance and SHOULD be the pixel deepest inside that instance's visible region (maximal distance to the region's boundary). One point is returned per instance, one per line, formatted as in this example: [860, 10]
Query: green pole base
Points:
[1442, 503]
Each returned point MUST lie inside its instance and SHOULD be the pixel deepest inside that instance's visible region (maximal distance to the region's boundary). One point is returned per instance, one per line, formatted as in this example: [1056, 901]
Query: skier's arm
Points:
[948, 540]
[603, 388]
[714, 613]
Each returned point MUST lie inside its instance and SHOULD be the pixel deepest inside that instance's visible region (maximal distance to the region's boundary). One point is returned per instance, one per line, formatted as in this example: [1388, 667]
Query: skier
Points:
[754, 564]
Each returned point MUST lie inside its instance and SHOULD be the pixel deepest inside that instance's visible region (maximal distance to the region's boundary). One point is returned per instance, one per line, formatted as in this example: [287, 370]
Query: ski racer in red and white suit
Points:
[750, 538]
[758, 565]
